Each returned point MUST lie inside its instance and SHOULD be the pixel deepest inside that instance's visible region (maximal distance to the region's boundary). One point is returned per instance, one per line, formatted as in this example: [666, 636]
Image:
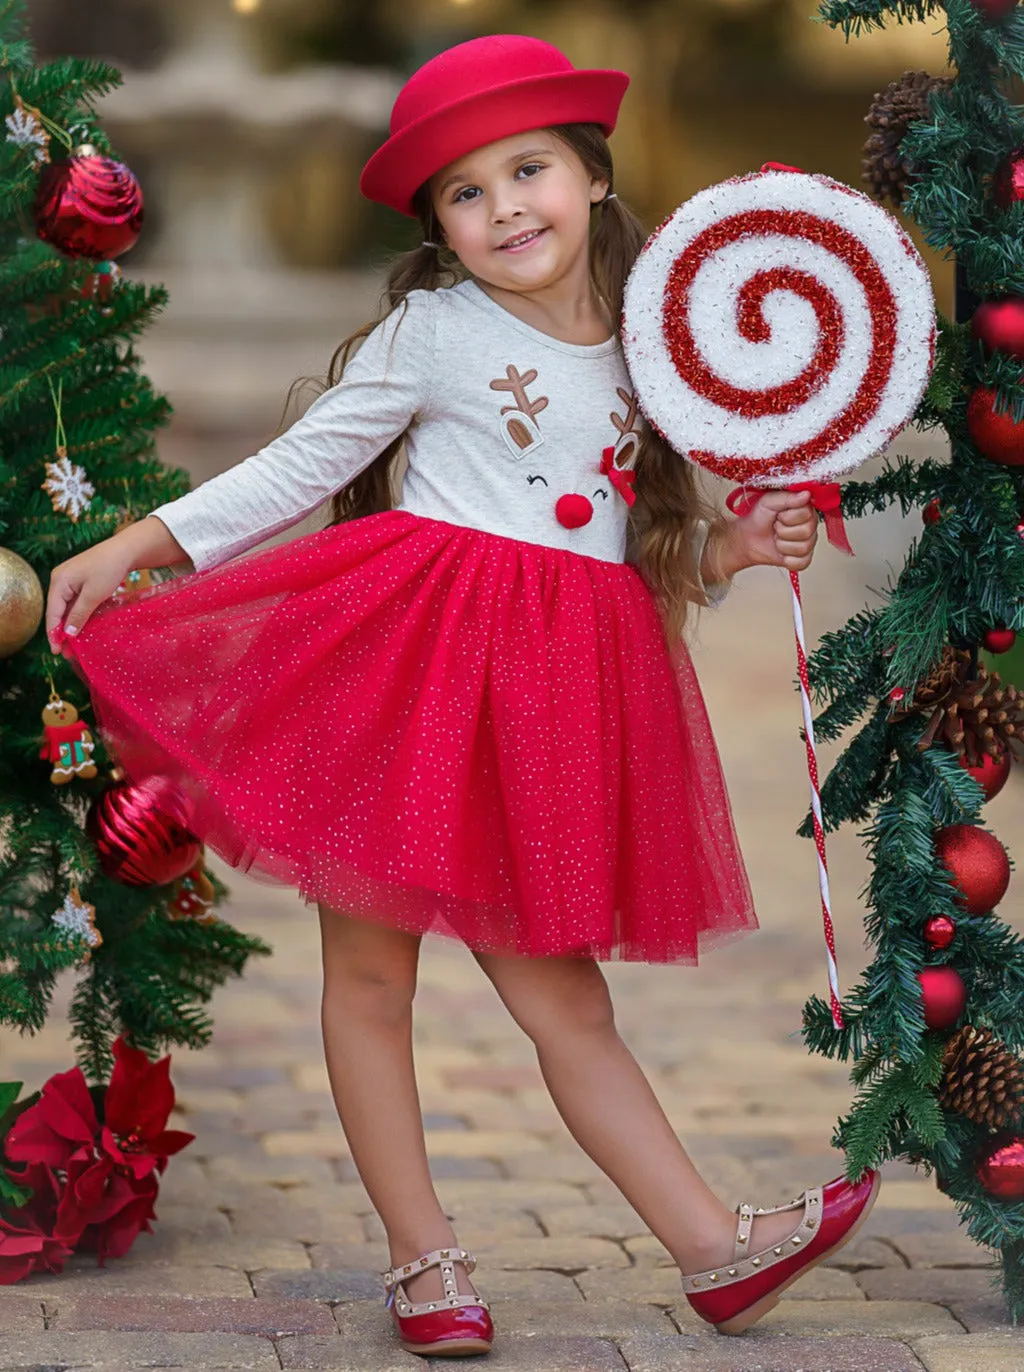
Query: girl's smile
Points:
[520, 241]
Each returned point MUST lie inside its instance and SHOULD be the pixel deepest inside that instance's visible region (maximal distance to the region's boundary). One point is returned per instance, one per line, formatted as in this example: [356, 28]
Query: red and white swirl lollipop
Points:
[779, 329]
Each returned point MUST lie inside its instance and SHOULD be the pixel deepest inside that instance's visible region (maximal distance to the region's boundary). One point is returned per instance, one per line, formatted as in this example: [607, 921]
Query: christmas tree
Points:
[94, 873]
[935, 1028]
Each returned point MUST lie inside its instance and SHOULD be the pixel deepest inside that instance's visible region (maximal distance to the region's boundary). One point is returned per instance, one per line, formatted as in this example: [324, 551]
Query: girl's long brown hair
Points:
[669, 501]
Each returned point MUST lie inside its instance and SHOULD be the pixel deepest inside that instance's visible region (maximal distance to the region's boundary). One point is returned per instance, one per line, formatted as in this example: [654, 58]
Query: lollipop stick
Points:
[819, 831]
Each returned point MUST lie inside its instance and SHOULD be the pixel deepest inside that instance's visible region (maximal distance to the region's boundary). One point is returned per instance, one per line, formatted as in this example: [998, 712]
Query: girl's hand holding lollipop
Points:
[780, 531]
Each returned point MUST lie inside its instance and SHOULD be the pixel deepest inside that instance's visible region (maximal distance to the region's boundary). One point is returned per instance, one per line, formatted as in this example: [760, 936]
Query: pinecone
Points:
[948, 674]
[884, 170]
[981, 1079]
[977, 717]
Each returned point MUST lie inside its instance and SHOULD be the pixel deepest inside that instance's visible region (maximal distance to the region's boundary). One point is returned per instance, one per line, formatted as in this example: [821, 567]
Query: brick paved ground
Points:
[265, 1254]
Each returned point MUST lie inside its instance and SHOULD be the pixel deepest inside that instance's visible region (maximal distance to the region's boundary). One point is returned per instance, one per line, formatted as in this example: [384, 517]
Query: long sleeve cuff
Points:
[716, 592]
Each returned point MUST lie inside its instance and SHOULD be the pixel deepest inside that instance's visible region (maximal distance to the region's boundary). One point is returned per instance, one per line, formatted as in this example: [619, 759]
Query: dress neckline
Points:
[478, 296]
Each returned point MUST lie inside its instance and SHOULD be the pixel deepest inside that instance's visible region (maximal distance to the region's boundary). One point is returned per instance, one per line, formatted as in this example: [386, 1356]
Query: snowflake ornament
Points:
[78, 917]
[69, 491]
[26, 131]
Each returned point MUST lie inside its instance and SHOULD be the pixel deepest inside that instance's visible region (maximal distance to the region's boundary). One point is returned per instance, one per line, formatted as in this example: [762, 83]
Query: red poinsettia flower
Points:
[26, 1241]
[61, 1123]
[105, 1212]
[139, 1100]
[62, 1127]
[110, 1169]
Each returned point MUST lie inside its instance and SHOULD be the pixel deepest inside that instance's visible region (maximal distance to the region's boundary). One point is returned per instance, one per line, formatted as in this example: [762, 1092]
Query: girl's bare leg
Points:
[366, 1015]
[608, 1105]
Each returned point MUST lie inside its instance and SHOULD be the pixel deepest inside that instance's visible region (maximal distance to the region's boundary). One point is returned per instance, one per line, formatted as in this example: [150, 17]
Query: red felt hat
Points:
[476, 93]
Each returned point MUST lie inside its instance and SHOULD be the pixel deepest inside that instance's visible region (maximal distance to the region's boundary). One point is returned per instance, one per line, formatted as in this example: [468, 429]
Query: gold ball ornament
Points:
[21, 602]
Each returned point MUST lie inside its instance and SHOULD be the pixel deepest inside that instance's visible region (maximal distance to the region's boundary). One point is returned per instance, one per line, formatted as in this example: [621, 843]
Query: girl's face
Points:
[517, 212]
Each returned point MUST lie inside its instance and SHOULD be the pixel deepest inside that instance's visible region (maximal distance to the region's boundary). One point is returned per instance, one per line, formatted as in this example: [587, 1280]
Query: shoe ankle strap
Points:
[746, 1264]
[743, 1228]
[394, 1275]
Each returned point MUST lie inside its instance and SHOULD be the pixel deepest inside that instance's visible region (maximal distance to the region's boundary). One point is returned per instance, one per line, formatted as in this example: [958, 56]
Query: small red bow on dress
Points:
[621, 478]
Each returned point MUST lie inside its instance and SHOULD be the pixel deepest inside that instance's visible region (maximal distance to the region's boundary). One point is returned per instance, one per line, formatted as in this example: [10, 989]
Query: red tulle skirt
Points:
[437, 728]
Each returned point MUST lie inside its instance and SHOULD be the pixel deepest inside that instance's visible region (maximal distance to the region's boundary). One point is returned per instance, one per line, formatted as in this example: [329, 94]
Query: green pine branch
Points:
[861, 16]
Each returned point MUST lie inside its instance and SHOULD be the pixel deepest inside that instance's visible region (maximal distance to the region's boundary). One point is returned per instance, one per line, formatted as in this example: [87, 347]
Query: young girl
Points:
[472, 712]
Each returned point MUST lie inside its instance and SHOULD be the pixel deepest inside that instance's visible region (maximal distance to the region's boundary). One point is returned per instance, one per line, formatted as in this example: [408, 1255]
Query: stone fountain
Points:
[216, 136]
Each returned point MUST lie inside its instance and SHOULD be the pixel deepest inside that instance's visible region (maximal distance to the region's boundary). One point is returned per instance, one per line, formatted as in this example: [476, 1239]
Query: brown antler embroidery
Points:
[517, 384]
[629, 430]
[626, 425]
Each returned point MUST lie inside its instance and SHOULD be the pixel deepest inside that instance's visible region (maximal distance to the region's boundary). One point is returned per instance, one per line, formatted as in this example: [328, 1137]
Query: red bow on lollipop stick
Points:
[826, 497]
[621, 478]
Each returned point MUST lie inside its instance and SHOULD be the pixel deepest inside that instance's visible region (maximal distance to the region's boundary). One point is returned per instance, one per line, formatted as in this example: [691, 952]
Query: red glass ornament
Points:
[1000, 1168]
[897, 694]
[995, 435]
[994, 9]
[943, 995]
[932, 512]
[939, 931]
[978, 864]
[1008, 182]
[141, 834]
[991, 773]
[999, 640]
[999, 324]
[88, 205]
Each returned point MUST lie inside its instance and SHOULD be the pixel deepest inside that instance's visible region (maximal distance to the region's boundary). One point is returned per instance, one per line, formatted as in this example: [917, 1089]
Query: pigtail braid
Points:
[615, 244]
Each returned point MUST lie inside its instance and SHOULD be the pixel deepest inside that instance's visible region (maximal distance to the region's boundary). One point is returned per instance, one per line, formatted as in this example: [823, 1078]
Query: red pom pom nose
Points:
[573, 511]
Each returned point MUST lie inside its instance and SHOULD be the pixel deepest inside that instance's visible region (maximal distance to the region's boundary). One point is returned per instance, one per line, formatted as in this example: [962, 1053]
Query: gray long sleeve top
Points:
[501, 420]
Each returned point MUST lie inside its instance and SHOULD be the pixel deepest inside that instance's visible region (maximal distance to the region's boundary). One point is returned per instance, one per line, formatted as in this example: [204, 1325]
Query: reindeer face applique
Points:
[519, 421]
[522, 435]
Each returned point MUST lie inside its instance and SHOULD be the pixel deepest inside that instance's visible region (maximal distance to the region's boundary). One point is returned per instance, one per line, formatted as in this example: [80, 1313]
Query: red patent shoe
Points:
[735, 1295]
[451, 1326]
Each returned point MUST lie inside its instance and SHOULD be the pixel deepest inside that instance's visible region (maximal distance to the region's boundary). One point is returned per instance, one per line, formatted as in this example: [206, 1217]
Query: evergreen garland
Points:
[151, 976]
[963, 574]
